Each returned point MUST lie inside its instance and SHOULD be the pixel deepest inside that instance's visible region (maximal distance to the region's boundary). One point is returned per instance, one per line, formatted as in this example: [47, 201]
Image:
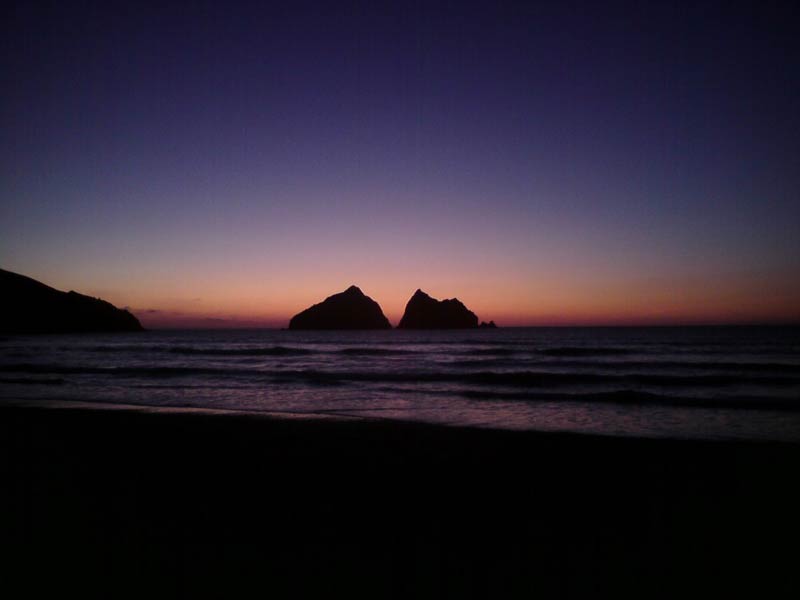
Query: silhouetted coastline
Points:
[29, 306]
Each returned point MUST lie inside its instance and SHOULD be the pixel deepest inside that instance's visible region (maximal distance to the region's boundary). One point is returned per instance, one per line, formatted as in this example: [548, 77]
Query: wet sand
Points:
[129, 504]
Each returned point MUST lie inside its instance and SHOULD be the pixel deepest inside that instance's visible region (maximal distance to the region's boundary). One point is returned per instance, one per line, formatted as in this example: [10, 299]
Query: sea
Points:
[669, 382]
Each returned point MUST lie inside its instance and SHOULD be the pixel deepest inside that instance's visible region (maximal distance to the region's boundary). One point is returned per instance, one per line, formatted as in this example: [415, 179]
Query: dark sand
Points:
[129, 504]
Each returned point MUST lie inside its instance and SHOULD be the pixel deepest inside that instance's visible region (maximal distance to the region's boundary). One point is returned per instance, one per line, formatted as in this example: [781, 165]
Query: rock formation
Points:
[489, 325]
[28, 306]
[424, 312]
[350, 309]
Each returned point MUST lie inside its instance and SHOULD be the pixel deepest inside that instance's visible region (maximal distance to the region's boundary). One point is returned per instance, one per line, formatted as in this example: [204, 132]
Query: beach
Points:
[185, 503]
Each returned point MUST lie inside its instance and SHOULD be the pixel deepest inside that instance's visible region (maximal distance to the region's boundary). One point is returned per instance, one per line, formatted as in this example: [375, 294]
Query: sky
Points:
[548, 163]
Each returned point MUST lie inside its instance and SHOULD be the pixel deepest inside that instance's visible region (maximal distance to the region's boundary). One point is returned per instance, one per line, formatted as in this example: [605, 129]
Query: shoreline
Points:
[170, 504]
[88, 405]
[278, 415]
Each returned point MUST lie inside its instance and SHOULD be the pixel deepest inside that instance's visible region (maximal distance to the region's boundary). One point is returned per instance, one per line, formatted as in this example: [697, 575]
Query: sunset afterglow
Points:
[212, 179]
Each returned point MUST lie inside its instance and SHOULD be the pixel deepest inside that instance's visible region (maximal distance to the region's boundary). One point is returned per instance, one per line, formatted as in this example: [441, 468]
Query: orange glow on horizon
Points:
[518, 295]
[626, 305]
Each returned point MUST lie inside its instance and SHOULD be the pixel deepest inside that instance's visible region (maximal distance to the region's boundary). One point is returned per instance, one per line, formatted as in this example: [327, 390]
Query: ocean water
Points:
[711, 383]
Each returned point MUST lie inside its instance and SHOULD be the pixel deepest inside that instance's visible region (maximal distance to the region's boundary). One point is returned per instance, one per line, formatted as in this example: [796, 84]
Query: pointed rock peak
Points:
[350, 309]
[424, 312]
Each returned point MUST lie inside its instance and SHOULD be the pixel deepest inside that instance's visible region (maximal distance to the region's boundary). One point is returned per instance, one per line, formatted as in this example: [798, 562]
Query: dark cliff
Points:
[424, 312]
[350, 309]
[28, 306]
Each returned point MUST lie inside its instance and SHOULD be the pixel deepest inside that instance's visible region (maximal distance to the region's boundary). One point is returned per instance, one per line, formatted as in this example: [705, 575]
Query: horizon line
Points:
[551, 326]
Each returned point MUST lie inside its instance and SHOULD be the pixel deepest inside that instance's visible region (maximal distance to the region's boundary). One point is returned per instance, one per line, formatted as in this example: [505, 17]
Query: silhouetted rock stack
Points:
[424, 312]
[28, 306]
[350, 309]
[489, 325]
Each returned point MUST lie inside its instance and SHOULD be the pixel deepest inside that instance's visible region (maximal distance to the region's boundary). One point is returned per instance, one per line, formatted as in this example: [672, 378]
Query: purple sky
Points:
[544, 162]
